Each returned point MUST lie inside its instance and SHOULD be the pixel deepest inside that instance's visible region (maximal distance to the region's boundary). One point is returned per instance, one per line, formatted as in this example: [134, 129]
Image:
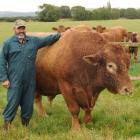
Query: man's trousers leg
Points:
[13, 98]
[26, 103]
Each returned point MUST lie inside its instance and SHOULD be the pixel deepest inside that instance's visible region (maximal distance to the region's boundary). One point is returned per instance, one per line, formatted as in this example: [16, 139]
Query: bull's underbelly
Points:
[46, 84]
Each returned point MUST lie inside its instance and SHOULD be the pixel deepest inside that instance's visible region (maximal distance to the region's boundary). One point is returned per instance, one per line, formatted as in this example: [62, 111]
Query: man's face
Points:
[20, 30]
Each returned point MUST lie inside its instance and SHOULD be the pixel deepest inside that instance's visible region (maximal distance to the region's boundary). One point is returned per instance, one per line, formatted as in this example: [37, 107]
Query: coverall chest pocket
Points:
[14, 53]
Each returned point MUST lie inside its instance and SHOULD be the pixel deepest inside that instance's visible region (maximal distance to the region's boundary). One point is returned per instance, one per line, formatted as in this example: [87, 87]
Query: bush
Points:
[49, 13]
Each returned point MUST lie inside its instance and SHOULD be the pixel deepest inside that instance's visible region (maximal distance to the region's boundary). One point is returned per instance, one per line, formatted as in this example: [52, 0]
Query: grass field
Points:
[115, 117]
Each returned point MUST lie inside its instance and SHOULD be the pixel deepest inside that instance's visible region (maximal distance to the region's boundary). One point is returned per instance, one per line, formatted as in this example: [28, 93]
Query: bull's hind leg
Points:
[73, 107]
[40, 109]
[50, 99]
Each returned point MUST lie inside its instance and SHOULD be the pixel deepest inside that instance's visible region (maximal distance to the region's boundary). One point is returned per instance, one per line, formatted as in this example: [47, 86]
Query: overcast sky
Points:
[32, 5]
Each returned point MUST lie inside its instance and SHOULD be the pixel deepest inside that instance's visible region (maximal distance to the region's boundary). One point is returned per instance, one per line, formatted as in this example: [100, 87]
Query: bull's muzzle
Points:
[126, 90]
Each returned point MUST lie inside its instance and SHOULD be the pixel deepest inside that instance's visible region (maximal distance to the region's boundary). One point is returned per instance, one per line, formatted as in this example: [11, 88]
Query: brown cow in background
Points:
[99, 29]
[80, 65]
[115, 34]
[132, 37]
[81, 28]
[60, 28]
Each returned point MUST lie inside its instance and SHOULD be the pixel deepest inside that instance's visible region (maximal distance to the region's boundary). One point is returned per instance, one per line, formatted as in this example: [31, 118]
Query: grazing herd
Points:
[116, 34]
[82, 64]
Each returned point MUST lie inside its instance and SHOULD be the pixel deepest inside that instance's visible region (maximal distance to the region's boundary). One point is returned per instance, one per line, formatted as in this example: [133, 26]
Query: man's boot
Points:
[6, 125]
[25, 122]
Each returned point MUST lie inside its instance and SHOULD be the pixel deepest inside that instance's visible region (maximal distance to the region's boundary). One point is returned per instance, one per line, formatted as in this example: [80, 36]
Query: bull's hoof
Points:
[75, 129]
[87, 119]
[43, 115]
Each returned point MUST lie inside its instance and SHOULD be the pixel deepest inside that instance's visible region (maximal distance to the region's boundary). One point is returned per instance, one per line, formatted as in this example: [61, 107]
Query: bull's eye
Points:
[112, 67]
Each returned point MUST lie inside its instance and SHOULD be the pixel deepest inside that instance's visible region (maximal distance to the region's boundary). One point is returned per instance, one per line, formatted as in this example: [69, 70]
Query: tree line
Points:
[51, 13]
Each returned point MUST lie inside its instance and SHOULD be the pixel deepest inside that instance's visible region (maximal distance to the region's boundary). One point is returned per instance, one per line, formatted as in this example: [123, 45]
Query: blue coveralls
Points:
[17, 64]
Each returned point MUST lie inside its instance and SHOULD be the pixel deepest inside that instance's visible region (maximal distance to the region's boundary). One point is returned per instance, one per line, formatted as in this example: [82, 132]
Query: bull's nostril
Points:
[126, 90]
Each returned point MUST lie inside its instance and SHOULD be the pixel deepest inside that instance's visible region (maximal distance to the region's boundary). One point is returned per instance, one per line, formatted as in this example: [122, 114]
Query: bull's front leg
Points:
[67, 92]
[88, 116]
[50, 99]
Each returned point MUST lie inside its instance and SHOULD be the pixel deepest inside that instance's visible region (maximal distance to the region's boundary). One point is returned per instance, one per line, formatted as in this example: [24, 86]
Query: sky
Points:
[32, 5]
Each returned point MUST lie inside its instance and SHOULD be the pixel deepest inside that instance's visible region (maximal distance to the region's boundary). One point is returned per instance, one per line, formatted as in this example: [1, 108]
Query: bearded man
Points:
[17, 71]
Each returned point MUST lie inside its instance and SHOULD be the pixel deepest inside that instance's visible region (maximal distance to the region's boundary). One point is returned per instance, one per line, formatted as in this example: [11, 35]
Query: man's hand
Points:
[6, 84]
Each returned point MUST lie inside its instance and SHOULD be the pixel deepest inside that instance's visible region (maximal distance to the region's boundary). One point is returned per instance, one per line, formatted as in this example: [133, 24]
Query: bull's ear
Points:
[54, 28]
[67, 28]
[94, 28]
[92, 59]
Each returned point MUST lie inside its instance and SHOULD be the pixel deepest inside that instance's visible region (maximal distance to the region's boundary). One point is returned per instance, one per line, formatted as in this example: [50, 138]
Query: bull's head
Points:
[112, 64]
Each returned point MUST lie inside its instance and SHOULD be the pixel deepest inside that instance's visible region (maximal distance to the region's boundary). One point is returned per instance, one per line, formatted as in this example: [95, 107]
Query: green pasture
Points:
[115, 117]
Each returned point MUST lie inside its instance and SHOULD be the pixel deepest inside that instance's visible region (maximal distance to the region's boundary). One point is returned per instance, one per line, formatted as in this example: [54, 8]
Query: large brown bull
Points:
[61, 29]
[80, 65]
[115, 34]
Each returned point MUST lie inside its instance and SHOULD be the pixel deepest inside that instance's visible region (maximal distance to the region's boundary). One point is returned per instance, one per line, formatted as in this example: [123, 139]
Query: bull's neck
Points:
[98, 81]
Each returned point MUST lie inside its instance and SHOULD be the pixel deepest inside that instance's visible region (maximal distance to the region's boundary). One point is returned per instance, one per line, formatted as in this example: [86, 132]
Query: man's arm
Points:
[47, 41]
[3, 62]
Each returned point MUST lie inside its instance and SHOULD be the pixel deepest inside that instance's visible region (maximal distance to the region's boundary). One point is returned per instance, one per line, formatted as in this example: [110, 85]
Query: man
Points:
[17, 71]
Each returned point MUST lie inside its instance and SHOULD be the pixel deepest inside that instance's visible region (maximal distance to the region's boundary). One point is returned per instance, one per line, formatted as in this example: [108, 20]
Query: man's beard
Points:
[21, 37]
